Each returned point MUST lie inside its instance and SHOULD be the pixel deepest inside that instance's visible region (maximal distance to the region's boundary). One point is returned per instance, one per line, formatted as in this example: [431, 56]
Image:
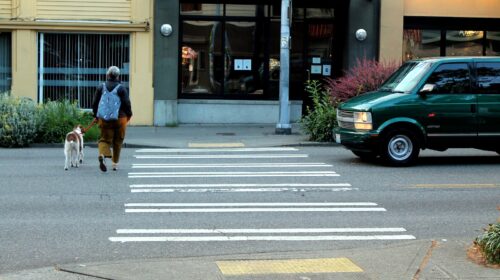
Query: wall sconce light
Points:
[166, 30]
[361, 35]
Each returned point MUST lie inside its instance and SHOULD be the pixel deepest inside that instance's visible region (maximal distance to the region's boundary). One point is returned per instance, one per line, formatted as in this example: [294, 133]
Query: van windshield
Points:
[406, 77]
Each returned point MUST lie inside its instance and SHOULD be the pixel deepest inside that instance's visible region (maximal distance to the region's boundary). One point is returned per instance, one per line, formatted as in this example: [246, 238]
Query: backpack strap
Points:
[116, 88]
[104, 88]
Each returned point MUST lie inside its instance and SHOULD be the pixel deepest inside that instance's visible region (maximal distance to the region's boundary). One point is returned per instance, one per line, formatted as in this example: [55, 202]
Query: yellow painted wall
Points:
[25, 47]
[394, 11]
[391, 30]
[84, 9]
[453, 8]
[141, 76]
[5, 8]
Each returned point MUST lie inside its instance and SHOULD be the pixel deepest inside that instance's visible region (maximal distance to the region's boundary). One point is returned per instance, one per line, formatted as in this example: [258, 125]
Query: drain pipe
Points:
[283, 126]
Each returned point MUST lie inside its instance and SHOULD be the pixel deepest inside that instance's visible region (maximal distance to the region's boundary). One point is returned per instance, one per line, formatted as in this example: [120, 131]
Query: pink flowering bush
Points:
[366, 75]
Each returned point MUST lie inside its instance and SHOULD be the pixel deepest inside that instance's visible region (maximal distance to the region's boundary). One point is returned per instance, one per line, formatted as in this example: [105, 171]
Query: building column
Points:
[24, 64]
[363, 14]
[166, 63]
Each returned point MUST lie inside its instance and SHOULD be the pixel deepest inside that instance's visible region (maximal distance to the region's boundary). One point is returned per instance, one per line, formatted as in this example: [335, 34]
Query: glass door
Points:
[319, 49]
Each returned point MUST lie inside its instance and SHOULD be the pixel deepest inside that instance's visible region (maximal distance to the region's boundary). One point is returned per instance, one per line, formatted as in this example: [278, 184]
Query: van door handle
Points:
[473, 108]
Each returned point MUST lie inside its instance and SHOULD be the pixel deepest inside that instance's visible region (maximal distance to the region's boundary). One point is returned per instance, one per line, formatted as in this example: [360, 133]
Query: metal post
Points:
[283, 126]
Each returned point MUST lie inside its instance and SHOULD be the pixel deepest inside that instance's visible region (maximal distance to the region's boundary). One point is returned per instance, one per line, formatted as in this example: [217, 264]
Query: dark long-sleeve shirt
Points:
[125, 107]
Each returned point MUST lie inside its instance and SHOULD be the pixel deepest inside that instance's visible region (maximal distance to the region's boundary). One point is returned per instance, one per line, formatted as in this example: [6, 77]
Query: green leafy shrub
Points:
[19, 121]
[59, 118]
[489, 242]
[319, 120]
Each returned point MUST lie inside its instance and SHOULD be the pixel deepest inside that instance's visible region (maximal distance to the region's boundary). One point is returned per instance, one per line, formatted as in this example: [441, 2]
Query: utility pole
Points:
[283, 126]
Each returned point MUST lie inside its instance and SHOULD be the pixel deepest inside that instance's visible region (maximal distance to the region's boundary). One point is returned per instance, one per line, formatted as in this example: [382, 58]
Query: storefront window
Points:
[419, 43]
[72, 65]
[241, 10]
[5, 62]
[202, 56]
[244, 67]
[464, 43]
[201, 9]
[493, 43]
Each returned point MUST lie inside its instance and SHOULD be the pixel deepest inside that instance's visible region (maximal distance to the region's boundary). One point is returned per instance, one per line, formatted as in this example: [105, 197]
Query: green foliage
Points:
[320, 120]
[59, 118]
[490, 243]
[19, 121]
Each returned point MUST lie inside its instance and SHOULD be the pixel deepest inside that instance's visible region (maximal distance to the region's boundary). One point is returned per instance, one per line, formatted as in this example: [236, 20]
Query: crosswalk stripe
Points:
[237, 185]
[211, 150]
[232, 174]
[230, 165]
[224, 156]
[207, 188]
[261, 238]
[255, 230]
[240, 190]
[242, 210]
[251, 204]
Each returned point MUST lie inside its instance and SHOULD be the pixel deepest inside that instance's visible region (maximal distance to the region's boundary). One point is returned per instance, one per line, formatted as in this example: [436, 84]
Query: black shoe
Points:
[102, 164]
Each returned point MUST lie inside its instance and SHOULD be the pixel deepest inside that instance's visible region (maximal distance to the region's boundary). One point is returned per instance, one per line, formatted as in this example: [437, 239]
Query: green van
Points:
[433, 103]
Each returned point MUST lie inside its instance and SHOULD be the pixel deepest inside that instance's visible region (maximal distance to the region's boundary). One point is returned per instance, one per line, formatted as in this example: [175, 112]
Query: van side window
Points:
[488, 77]
[450, 78]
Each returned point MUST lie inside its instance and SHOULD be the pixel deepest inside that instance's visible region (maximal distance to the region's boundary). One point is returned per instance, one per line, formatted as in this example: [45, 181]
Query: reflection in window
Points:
[241, 10]
[73, 65]
[201, 57]
[450, 78]
[245, 59]
[464, 43]
[420, 43]
[201, 9]
[488, 76]
[5, 62]
[493, 43]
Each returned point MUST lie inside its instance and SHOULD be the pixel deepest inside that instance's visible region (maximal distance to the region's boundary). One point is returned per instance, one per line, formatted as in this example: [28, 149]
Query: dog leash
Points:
[90, 126]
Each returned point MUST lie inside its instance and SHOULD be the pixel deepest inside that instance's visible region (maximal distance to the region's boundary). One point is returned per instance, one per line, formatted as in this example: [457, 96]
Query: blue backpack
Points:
[109, 105]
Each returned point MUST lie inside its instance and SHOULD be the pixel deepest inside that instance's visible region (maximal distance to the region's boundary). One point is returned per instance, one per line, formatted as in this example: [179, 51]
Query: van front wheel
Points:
[400, 148]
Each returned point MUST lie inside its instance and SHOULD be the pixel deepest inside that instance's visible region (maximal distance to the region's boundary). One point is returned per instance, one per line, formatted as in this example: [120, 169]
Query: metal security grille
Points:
[5, 61]
[71, 66]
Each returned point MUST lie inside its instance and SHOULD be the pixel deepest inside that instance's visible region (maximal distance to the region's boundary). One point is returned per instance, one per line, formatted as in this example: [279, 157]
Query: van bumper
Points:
[357, 140]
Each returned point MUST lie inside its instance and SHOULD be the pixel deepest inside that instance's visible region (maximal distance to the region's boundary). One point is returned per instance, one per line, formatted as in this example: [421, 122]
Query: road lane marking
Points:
[210, 150]
[256, 230]
[229, 165]
[246, 156]
[464, 186]
[216, 145]
[292, 266]
[261, 238]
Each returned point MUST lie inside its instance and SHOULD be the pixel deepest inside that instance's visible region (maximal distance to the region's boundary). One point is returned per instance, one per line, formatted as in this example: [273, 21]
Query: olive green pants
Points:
[112, 136]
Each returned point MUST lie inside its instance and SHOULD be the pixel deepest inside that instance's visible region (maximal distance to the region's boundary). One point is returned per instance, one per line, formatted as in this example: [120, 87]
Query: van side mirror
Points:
[427, 88]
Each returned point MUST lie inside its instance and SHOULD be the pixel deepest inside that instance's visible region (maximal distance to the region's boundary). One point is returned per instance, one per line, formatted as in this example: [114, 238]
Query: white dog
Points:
[73, 147]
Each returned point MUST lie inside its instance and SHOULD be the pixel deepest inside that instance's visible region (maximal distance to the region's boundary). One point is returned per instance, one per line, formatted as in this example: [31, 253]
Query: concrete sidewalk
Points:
[420, 259]
[214, 136]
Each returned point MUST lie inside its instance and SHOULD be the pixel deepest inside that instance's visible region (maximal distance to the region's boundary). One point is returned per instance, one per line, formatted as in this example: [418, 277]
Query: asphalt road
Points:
[164, 207]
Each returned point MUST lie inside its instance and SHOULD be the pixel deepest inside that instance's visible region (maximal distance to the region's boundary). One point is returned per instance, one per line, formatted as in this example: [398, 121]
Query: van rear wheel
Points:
[400, 147]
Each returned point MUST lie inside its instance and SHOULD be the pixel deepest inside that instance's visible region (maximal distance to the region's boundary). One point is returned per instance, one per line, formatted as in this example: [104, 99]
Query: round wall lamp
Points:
[361, 35]
[166, 30]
